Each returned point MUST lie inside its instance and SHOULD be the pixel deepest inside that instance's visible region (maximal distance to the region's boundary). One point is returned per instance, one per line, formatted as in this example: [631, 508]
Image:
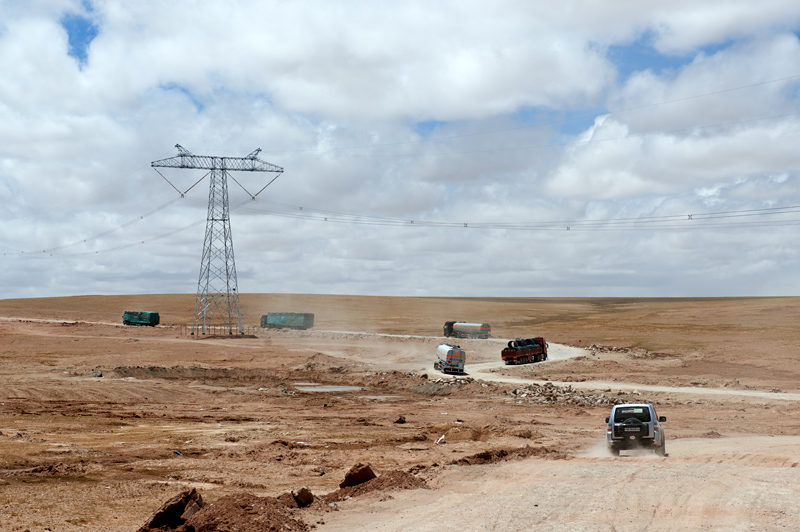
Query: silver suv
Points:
[635, 426]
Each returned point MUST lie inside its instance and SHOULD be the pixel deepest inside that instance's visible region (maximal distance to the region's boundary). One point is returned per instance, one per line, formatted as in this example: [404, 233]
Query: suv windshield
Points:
[639, 412]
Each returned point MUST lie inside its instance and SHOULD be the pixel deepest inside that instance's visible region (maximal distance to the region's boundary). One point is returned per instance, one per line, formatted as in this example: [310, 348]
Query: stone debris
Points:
[303, 497]
[174, 513]
[632, 352]
[458, 381]
[549, 394]
[358, 474]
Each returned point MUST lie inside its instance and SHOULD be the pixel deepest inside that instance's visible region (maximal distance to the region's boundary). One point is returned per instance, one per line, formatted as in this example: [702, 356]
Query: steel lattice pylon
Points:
[217, 300]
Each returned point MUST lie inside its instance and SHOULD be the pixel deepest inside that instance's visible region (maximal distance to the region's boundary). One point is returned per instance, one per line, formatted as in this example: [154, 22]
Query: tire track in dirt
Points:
[702, 485]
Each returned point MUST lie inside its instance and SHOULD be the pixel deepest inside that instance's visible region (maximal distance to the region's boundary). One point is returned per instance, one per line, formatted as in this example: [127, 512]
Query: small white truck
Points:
[635, 426]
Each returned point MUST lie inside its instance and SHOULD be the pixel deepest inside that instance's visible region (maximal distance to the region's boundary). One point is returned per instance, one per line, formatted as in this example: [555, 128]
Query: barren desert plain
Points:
[101, 424]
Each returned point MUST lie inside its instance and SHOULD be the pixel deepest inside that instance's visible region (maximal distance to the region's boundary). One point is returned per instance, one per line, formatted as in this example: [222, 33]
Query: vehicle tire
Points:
[614, 451]
[662, 449]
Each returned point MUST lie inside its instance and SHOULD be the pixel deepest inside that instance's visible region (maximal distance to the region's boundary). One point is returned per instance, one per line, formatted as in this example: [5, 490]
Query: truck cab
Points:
[635, 426]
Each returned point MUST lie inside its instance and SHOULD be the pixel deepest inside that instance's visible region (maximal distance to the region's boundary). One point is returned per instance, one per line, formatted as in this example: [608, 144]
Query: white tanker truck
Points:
[450, 359]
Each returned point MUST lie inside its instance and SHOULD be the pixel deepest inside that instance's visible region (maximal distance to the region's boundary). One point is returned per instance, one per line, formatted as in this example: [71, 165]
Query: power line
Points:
[75, 200]
[104, 233]
[381, 220]
[683, 222]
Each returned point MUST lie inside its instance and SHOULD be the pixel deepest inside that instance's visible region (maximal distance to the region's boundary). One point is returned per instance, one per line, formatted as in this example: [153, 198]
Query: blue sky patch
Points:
[641, 55]
[81, 31]
[564, 122]
[424, 129]
[186, 92]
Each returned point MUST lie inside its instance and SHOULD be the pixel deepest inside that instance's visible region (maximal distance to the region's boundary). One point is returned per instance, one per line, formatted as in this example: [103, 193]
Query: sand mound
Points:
[391, 480]
[228, 514]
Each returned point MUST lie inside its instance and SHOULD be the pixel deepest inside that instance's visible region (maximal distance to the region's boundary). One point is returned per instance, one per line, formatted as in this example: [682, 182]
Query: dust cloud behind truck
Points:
[287, 320]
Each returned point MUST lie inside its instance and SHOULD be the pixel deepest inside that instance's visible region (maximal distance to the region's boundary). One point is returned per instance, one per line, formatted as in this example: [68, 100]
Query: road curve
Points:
[562, 352]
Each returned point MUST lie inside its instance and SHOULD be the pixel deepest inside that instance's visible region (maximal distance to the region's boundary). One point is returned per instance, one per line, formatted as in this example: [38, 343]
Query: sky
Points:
[446, 148]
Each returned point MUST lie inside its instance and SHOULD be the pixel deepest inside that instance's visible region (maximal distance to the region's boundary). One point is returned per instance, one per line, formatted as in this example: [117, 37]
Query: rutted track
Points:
[733, 484]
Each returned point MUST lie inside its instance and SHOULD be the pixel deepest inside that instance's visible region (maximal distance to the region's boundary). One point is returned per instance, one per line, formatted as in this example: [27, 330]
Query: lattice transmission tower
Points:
[217, 300]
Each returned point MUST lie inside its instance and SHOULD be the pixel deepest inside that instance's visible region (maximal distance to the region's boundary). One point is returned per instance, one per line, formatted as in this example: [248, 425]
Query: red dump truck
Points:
[525, 351]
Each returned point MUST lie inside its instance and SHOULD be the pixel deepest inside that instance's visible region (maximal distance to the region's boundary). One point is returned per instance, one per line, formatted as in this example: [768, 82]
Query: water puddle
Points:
[314, 387]
[378, 397]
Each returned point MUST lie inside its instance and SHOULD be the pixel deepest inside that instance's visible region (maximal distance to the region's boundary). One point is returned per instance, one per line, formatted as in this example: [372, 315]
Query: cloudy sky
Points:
[572, 148]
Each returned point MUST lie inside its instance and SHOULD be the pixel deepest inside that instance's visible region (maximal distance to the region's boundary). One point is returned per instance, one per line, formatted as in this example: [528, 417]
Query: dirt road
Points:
[727, 484]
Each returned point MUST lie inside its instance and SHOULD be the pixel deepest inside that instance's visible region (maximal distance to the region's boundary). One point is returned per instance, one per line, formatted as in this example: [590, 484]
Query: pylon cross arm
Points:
[251, 163]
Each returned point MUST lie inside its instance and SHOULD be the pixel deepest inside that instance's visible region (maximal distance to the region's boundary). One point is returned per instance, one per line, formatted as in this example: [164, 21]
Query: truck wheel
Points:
[614, 451]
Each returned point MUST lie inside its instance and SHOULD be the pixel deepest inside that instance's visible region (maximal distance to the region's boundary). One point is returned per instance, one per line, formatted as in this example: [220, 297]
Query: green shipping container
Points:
[287, 320]
[140, 317]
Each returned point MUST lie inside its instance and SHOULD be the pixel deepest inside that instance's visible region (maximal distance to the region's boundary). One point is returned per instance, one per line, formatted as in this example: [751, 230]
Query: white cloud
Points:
[333, 93]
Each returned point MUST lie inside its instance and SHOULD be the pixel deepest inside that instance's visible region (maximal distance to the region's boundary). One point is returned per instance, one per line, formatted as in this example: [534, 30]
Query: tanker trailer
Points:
[461, 329]
[450, 359]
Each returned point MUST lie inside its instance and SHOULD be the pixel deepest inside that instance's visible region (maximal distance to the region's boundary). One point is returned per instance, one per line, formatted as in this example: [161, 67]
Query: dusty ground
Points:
[100, 424]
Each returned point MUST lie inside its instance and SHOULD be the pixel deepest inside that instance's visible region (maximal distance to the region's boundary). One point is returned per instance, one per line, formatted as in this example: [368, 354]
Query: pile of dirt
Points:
[391, 480]
[173, 514]
[358, 474]
[187, 513]
[244, 512]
